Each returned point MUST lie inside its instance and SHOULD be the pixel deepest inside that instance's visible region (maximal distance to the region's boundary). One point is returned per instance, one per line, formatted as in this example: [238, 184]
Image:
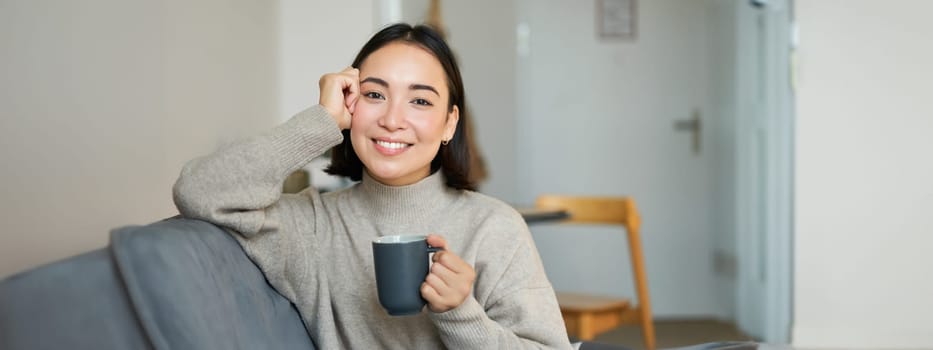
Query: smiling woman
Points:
[395, 122]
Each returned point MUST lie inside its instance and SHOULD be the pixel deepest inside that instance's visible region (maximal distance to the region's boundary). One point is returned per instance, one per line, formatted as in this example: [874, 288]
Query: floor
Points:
[672, 334]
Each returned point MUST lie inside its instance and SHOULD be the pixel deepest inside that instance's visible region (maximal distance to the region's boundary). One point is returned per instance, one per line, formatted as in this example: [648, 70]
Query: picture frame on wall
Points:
[616, 19]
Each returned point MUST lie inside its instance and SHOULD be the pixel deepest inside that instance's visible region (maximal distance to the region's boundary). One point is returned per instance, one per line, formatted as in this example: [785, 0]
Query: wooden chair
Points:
[587, 316]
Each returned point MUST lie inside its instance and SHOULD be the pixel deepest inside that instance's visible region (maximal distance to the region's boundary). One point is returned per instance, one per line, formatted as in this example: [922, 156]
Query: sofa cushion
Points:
[193, 287]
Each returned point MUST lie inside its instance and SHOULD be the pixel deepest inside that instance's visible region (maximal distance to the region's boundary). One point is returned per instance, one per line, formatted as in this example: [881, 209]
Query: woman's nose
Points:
[394, 117]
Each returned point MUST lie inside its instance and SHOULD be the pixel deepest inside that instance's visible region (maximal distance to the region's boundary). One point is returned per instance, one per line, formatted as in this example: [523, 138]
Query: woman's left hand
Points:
[450, 281]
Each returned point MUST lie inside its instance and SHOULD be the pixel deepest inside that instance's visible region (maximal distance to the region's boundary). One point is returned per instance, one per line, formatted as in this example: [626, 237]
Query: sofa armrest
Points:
[173, 284]
[193, 287]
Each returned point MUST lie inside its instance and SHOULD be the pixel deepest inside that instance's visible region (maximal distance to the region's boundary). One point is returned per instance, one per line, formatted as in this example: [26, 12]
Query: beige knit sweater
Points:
[315, 248]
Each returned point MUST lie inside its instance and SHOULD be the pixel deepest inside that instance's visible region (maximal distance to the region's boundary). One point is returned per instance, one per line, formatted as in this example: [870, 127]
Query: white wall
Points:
[317, 37]
[864, 194]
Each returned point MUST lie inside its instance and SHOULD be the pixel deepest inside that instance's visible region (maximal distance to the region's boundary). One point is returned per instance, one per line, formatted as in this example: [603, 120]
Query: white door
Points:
[598, 116]
[764, 126]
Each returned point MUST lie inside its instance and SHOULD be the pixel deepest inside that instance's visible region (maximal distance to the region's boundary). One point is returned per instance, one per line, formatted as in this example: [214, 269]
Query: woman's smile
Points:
[388, 147]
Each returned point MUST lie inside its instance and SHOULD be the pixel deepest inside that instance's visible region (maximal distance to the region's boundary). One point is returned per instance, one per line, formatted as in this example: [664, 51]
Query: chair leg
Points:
[641, 278]
[647, 329]
[585, 326]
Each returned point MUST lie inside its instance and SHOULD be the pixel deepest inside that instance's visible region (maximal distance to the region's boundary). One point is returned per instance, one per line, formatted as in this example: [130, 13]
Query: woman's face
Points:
[401, 116]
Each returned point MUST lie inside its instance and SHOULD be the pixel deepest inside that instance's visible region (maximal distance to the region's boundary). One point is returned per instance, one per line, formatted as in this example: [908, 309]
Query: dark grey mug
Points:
[401, 266]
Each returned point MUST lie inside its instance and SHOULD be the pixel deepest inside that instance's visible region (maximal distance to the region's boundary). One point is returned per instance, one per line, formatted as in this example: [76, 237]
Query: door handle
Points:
[693, 125]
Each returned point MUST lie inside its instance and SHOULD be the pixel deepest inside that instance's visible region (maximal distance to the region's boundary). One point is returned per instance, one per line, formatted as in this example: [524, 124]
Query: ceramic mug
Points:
[401, 264]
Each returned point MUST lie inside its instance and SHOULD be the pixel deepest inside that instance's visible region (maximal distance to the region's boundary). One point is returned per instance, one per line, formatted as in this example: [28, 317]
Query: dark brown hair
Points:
[453, 158]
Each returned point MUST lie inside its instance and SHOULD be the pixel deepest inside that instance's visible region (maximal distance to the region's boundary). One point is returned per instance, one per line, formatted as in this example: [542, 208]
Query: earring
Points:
[445, 142]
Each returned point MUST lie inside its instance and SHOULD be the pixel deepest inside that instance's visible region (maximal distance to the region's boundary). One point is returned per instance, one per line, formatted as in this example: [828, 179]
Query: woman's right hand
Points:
[339, 93]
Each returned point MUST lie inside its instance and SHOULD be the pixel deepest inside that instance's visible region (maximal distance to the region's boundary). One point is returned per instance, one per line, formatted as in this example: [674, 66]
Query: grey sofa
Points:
[174, 284]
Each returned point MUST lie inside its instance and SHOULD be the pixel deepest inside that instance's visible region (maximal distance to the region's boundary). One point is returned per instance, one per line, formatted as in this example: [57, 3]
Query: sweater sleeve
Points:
[519, 308]
[237, 186]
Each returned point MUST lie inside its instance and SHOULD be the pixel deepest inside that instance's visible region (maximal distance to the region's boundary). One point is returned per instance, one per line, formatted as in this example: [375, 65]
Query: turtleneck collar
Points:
[404, 206]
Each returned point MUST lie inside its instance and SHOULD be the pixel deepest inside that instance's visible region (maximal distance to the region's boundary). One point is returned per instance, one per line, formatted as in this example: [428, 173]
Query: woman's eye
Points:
[374, 95]
[421, 102]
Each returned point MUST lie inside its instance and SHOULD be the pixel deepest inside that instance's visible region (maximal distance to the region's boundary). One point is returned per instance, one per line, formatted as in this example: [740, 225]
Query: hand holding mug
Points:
[450, 281]
[339, 93]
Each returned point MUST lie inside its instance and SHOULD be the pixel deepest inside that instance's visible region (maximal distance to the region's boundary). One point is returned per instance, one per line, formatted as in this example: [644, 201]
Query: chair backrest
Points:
[594, 210]
[614, 211]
